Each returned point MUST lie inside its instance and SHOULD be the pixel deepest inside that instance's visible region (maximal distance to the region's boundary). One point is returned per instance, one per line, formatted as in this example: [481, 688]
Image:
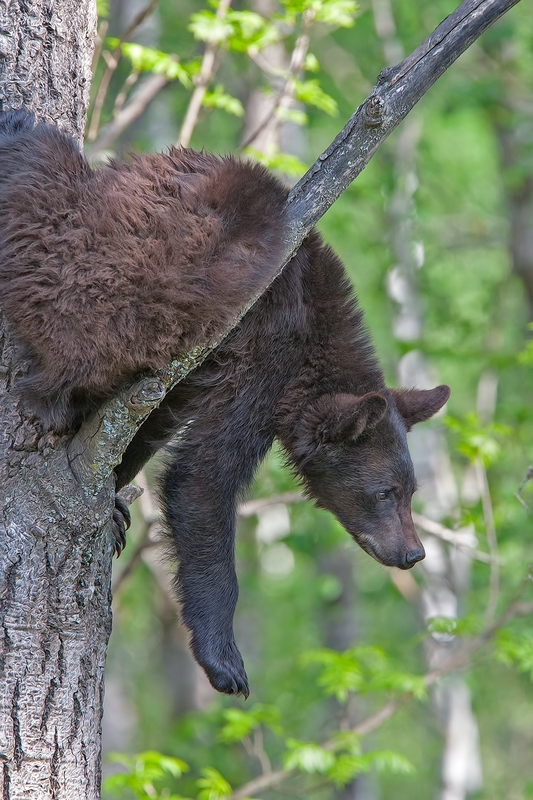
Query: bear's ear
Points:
[335, 418]
[418, 405]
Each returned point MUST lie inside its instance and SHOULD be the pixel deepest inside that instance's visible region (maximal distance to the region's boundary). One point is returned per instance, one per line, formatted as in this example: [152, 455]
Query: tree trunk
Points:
[55, 551]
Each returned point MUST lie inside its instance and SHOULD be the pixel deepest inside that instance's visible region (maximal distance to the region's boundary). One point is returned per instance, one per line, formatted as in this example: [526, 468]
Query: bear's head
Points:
[352, 455]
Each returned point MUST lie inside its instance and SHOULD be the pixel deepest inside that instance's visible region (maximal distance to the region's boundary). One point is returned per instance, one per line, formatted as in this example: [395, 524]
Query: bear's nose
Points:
[413, 556]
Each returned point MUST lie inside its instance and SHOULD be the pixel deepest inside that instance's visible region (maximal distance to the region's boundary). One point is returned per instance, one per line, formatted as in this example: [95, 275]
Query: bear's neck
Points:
[336, 353]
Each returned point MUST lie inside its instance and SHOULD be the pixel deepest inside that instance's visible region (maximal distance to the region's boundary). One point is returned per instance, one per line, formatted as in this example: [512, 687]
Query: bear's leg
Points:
[215, 459]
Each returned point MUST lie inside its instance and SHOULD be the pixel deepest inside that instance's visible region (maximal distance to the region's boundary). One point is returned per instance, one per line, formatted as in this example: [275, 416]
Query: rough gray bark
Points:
[55, 550]
[45, 59]
[57, 498]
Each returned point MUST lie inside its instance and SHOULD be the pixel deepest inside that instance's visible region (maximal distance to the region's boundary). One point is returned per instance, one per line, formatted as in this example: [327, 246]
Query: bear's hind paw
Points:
[226, 674]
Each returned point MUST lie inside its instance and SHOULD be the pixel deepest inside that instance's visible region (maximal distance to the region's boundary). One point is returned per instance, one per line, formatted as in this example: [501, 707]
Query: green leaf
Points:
[340, 674]
[389, 761]
[282, 162]
[441, 625]
[336, 13]
[515, 650]
[310, 93]
[347, 741]
[347, 767]
[218, 98]
[212, 786]
[399, 683]
[102, 8]
[350, 671]
[293, 115]
[239, 724]
[205, 27]
[143, 769]
[477, 441]
[308, 757]
[311, 63]
[146, 59]
[250, 31]
[457, 626]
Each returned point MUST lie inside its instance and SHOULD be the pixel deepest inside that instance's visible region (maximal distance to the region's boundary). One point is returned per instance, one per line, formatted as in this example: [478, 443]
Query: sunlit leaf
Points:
[218, 98]
[478, 441]
[347, 767]
[516, 650]
[389, 761]
[146, 59]
[308, 757]
[311, 63]
[310, 93]
[102, 8]
[250, 31]
[205, 27]
[282, 162]
[212, 785]
[337, 13]
[292, 115]
[238, 723]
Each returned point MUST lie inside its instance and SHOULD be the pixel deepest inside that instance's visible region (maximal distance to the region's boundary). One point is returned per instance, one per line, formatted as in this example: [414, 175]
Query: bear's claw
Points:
[121, 523]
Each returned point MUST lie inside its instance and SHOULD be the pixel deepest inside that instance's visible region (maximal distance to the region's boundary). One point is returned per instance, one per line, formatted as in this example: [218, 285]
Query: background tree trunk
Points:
[55, 551]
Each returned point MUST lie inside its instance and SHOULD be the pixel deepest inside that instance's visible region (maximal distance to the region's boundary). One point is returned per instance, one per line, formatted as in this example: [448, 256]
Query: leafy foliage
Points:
[478, 441]
[516, 650]
[146, 59]
[363, 670]
[143, 771]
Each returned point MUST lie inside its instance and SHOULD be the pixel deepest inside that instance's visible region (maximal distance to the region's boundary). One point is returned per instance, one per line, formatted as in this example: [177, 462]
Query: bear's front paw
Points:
[121, 523]
[225, 670]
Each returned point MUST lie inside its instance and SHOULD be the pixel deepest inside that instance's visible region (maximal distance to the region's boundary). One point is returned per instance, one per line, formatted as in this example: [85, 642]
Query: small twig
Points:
[120, 99]
[492, 542]
[529, 477]
[112, 60]
[142, 97]
[286, 93]
[207, 70]
[251, 507]
[99, 43]
[464, 540]
[254, 748]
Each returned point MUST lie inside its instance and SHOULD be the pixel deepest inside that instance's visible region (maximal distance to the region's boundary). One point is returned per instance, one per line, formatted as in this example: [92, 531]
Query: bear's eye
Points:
[383, 495]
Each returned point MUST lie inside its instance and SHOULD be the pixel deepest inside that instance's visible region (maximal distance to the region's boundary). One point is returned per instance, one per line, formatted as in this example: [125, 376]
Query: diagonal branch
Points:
[396, 92]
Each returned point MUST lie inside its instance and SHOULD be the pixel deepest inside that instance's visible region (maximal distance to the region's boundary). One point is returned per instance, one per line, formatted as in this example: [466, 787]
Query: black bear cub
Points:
[107, 274]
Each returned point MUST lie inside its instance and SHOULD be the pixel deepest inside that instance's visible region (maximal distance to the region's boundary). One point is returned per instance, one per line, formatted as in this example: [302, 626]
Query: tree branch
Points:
[142, 97]
[98, 447]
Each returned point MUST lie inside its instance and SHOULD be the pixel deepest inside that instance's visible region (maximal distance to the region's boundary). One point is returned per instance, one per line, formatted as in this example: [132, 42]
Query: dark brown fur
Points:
[142, 287]
[110, 273]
